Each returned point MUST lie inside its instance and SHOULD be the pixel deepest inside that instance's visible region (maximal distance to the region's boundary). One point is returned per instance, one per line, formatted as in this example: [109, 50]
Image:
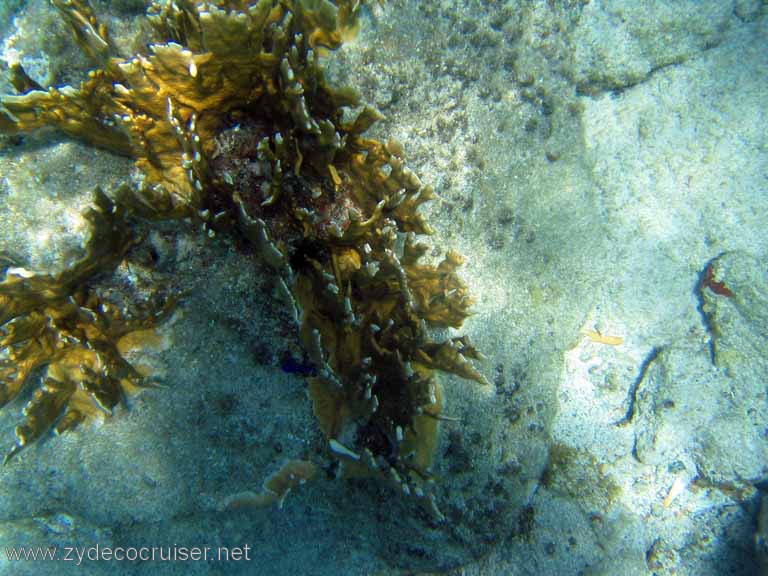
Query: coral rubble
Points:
[232, 123]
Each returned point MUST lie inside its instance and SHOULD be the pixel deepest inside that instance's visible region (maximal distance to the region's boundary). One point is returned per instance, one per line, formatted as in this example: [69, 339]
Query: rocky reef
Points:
[233, 126]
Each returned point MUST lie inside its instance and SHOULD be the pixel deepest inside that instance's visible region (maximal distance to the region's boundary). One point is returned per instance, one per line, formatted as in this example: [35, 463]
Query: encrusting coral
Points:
[232, 123]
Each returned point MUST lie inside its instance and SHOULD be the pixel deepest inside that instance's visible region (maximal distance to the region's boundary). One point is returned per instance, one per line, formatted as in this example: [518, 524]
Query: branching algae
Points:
[232, 123]
[57, 322]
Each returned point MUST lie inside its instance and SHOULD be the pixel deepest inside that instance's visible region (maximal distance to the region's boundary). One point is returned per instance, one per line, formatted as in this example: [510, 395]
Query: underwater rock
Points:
[761, 535]
[687, 412]
[734, 300]
[618, 43]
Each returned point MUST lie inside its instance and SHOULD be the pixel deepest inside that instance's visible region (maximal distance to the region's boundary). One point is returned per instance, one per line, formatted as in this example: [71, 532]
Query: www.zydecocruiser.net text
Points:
[79, 554]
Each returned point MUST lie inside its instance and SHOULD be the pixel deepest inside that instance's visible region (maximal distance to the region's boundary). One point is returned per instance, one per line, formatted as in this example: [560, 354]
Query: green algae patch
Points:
[577, 473]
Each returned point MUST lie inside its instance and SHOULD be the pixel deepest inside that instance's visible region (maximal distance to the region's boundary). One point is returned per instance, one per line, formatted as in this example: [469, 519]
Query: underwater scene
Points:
[384, 287]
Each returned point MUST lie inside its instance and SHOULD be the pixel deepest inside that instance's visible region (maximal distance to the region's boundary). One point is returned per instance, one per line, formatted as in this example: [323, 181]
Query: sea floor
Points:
[602, 165]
